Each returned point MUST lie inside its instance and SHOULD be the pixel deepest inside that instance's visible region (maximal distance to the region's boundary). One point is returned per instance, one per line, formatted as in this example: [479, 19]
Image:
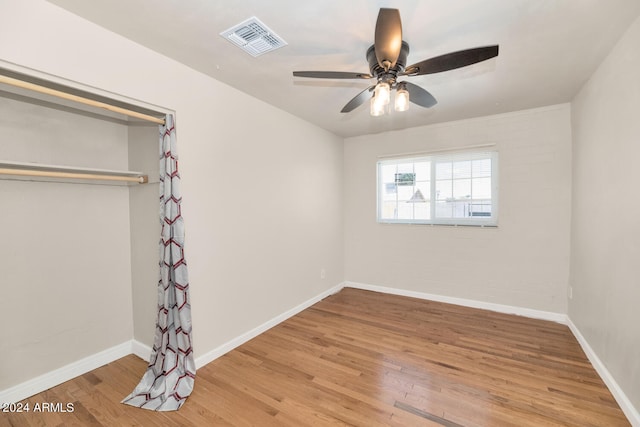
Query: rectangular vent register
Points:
[254, 37]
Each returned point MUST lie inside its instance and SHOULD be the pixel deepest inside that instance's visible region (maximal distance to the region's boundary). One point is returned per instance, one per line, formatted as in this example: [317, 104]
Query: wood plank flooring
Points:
[367, 359]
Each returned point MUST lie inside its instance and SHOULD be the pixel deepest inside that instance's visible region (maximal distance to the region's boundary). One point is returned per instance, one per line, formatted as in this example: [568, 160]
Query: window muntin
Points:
[458, 189]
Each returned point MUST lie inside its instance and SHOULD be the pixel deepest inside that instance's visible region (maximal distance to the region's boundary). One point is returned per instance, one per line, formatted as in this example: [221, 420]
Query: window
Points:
[455, 189]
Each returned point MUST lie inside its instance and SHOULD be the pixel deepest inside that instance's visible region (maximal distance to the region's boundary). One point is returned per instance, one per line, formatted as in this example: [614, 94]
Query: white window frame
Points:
[490, 221]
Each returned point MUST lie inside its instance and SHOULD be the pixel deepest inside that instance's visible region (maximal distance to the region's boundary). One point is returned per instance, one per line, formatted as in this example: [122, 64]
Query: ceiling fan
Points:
[387, 59]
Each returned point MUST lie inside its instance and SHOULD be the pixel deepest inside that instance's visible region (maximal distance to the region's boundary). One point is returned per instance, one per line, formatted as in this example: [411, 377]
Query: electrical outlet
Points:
[323, 273]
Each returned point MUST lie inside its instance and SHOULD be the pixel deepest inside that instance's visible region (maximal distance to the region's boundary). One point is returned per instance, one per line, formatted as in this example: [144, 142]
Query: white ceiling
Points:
[548, 49]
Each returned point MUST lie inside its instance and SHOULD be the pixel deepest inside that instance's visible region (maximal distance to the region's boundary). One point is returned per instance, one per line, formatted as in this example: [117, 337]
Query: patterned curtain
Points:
[169, 378]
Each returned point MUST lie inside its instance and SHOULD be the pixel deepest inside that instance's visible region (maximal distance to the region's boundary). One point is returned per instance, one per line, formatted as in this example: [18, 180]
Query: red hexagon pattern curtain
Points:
[169, 378]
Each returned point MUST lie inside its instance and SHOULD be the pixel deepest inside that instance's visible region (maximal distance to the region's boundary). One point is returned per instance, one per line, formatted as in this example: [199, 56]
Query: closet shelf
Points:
[37, 170]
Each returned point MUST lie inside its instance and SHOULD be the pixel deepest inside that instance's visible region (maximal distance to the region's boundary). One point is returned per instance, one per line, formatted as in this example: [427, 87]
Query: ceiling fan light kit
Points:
[377, 108]
[379, 104]
[380, 99]
[402, 97]
[387, 59]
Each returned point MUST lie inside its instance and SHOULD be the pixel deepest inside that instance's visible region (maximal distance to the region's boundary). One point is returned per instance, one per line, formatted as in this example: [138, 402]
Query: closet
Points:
[79, 252]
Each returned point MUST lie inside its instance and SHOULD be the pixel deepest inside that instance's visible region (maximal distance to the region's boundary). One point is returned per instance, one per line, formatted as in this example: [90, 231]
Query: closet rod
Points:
[48, 91]
[140, 179]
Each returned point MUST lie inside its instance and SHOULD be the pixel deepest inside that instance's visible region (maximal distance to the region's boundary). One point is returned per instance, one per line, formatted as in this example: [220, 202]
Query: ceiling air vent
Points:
[253, 37]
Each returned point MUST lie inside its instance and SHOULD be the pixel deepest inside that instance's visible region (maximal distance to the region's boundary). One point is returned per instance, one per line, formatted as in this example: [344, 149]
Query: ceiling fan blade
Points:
[388, 37]
[332, 75]
[451, 61]
[358, 100]
[420, 96]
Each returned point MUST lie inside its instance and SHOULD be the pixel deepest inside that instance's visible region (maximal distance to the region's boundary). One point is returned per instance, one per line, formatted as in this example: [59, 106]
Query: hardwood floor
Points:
[367, 359]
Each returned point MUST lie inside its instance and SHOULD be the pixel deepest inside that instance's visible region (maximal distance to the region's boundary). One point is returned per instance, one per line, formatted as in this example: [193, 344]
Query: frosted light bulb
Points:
[402, 99]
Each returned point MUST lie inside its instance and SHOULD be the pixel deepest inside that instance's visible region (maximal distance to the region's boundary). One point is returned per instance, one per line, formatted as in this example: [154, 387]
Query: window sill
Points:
[429, 224]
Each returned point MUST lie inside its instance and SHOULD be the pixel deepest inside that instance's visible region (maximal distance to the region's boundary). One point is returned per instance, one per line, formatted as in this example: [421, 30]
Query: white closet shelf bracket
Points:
[37, 170]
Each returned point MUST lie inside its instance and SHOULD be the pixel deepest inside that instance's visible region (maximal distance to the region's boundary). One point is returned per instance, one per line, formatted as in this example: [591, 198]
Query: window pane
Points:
[405, 178]
[462, 169]
[462, 189]
[444, 190]
[460, 209]
[389, 192]
[481, 188]
[425, 189]
[405, 168]
[444, 170]
[481, 168]
[422, 210]
[444, 209]
[388, 173]
[405, 192]
[388, 210]
[480, 209]
[405, 210]
[423, 171]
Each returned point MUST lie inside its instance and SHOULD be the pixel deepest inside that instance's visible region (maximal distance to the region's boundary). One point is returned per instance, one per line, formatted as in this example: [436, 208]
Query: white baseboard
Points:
[65, 373]
[141, 350]
[500, 308]
[625, 404]
[230, 345]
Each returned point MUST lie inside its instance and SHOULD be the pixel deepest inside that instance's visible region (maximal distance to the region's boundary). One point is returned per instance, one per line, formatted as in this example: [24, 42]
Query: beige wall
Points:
[262, 189]
[144, 232]
[64, 258]
[605, 238]
[523, 262]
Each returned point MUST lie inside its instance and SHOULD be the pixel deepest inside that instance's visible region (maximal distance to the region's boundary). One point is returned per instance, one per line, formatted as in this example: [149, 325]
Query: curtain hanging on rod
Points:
[170, 376]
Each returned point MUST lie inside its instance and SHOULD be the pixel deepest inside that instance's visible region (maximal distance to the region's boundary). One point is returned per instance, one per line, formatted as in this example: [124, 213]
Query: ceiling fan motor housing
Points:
[379, 72]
